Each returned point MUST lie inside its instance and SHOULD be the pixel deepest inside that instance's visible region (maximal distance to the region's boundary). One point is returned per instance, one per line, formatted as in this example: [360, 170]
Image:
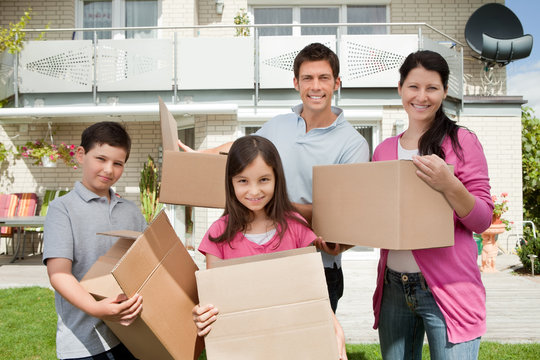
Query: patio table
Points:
[20, 222]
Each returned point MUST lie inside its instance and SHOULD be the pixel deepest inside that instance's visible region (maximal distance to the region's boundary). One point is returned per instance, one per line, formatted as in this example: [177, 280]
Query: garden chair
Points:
[8, 207]
[27, 207]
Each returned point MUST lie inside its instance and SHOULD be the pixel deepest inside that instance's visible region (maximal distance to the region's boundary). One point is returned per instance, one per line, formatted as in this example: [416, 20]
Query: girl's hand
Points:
[435, 172]
[120, 309]
[203, 317]
[329, 248]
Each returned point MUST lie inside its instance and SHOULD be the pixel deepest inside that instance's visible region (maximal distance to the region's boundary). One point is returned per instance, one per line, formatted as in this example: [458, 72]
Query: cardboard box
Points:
[157, 266]
[196, 179]
[271, 307]
[380, 204]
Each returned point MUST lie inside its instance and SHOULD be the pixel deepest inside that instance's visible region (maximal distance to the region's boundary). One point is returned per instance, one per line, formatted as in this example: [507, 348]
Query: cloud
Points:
[526, 83]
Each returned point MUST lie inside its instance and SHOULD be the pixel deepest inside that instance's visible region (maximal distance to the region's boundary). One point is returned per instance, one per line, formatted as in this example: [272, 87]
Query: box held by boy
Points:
[380, 204]
[157, 266]
[271, 306]
[195, 179]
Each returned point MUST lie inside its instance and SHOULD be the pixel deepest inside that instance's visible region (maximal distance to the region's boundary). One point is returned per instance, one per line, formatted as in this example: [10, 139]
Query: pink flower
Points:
[71, 153]
[504, 194]
[52, 157]
[72, 146]
[493, 198]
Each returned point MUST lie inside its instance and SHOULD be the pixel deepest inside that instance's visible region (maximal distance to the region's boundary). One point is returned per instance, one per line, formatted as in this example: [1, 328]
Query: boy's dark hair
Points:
[316, 52]
[242, 153]
[431, 141]
[106, 132]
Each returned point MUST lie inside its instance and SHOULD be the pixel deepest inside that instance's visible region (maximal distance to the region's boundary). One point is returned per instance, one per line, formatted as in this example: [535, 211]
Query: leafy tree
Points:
[12, 37]
[530, 147]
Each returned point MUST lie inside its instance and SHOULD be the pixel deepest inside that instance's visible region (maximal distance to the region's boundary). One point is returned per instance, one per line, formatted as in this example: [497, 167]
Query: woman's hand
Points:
[185, 147]
[203, 316]
[437, 174]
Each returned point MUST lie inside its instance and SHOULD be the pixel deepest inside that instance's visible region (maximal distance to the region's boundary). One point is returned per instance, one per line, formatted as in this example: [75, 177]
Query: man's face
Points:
[316, 84]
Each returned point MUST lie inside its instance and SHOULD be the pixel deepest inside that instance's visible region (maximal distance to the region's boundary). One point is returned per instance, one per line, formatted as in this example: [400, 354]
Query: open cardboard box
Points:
[379, 204]
[157, 266]
[271, 306]
[195, 179]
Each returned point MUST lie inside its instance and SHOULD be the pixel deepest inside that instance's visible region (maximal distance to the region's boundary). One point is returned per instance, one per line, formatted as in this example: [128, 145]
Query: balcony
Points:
[253, 70]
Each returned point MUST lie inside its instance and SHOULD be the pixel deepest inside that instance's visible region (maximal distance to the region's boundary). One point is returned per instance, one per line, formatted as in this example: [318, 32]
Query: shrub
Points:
[532, 247]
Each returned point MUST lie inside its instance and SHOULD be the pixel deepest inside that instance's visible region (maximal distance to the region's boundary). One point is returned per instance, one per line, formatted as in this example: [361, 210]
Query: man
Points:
[315, 133]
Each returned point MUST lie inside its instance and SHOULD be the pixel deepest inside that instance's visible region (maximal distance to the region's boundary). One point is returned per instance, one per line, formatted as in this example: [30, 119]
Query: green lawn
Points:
[28, 325]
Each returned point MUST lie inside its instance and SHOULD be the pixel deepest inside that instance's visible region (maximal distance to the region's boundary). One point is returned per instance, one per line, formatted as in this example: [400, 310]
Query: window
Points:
[320, 15]
[118, 13]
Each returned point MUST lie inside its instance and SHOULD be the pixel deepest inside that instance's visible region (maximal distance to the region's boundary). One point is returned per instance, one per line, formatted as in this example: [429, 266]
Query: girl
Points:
[258, 216]
[438, 291]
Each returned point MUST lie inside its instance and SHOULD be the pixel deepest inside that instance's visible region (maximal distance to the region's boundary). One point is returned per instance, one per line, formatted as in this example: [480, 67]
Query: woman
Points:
[435, 291]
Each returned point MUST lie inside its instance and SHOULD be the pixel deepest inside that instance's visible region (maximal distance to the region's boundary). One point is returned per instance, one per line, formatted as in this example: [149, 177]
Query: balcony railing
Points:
[212, 63]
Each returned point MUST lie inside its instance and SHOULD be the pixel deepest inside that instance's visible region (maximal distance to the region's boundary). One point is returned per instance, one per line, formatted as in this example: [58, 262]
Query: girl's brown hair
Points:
[243, 151]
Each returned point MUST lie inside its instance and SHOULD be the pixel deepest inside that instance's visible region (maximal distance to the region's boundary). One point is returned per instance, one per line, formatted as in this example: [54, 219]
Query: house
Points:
[220, 86]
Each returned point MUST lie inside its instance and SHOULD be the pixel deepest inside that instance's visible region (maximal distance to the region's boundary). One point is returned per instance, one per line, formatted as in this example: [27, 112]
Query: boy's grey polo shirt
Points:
[338, 143]
[70, 229]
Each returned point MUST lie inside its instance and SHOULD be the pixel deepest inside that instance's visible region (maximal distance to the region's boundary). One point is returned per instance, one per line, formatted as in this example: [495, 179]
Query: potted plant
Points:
[500, 207]
[149, 188]
[47, 154]
[3, 153]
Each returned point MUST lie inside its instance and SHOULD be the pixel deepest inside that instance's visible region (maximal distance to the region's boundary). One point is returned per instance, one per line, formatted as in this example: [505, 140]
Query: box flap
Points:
[284, 301]
[128, 234]
[158, 267]
[261, 257]
[169, 128]
[196, 179]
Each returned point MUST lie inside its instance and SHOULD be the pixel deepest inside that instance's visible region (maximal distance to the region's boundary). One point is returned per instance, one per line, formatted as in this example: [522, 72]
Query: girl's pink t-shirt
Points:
[296, 236]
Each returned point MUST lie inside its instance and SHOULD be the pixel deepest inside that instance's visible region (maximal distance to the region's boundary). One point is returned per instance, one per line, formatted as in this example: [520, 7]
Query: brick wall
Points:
[450, 17]
[56, 14]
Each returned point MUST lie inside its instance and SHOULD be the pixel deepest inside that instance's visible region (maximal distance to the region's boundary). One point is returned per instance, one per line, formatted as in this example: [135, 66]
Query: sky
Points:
[523, 75]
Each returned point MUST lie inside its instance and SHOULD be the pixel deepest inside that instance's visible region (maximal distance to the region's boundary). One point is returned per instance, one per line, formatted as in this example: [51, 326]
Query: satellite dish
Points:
[495, 33]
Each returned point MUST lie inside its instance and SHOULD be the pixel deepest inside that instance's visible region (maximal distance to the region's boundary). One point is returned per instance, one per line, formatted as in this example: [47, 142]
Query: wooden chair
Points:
[8, 207]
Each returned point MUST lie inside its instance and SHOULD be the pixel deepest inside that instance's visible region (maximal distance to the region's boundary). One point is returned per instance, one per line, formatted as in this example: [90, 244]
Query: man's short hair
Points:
[106, 132]
[316, 52]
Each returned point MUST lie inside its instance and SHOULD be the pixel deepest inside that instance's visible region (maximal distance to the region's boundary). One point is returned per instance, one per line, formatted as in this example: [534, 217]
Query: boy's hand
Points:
[203, 316]
[330, 248]
[120, 309]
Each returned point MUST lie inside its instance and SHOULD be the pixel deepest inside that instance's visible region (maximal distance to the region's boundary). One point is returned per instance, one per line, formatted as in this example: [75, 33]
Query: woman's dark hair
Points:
[431, 141]
[106, 132]
[242, 153]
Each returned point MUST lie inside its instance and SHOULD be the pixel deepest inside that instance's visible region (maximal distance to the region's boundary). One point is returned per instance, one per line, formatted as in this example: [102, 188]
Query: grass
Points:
[28, 326]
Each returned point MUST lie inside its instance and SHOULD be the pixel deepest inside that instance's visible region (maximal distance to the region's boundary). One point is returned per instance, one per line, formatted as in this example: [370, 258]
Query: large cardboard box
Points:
[195, 179]
[380, 204]
[271, 307]
[157, 266]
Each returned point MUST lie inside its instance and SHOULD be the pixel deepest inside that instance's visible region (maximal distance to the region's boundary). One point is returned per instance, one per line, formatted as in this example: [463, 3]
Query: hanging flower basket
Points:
[46, 154]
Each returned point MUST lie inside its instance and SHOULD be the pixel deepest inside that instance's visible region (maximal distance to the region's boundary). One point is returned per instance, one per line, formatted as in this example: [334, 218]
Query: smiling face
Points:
[422, 94]
[316, 84]
[254, 186]
[102, 166]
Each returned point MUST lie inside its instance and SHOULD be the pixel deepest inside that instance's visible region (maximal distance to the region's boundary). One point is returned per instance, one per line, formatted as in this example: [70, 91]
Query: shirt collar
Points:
[297, 109]
[88, 195]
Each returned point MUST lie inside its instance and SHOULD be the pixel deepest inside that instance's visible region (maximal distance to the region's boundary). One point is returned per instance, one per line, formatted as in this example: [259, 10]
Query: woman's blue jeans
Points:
[408, 311]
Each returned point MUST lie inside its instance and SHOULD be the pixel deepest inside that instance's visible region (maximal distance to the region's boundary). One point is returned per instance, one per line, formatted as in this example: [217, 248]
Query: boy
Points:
[71, 247]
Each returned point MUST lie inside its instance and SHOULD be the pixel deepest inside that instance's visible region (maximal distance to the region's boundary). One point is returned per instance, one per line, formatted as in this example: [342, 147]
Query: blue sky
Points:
[524, 75]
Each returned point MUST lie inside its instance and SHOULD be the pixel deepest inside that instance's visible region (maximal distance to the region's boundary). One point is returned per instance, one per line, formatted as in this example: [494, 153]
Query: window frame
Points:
[118, 18]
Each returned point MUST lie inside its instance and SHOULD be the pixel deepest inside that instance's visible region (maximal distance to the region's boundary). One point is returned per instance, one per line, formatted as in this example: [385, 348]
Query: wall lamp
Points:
[219, 6]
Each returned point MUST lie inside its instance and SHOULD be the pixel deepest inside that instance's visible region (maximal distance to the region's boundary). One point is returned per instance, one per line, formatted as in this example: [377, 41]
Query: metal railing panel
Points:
[134, 65]
[216, 63]
[374, 60]
[6, 75]
[455, 63]
[277, 55]
[56, 66]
